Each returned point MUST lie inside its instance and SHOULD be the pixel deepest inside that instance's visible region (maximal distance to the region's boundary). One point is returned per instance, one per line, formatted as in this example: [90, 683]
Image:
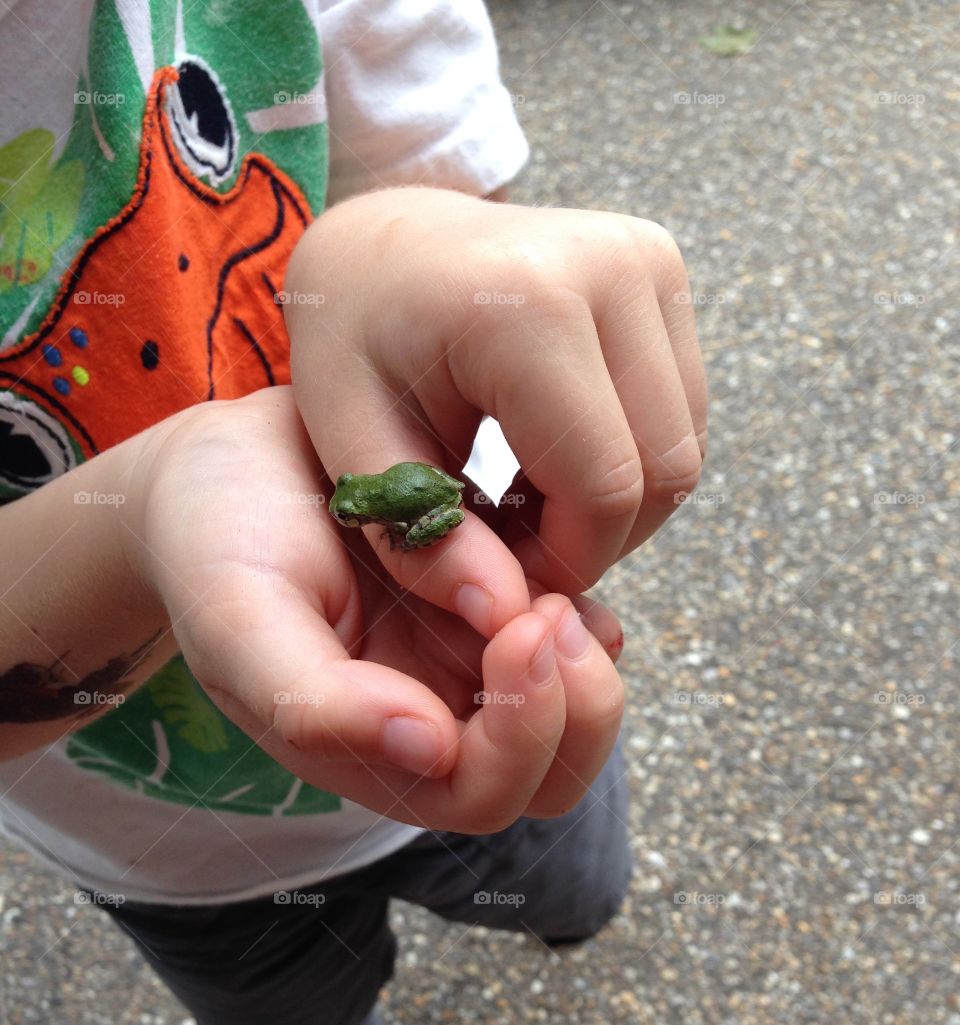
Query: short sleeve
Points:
[414, 96]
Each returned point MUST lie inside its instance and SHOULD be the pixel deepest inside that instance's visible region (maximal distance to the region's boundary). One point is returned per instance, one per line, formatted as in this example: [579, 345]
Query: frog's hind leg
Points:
[432, 527]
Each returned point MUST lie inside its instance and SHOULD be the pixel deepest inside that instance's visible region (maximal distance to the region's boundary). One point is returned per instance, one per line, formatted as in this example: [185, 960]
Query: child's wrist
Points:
[142, 459]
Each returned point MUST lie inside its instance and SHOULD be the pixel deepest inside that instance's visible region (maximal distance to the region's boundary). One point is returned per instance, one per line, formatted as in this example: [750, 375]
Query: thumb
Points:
[278, 669]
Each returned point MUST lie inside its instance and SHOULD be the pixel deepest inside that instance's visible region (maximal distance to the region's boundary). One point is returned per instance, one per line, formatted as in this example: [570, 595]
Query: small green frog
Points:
[417, 503]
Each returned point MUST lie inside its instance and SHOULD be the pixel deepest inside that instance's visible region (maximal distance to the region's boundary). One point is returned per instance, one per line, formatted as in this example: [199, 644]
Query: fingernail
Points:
[411, 744]
[475, 605]
[543, 664]
[572, 636]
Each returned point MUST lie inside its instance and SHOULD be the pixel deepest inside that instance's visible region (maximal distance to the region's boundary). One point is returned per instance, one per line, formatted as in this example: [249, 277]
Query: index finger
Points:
[471, 572]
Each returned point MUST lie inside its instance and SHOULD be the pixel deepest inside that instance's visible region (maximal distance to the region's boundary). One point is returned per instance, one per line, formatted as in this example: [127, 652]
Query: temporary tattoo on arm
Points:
[34, 693]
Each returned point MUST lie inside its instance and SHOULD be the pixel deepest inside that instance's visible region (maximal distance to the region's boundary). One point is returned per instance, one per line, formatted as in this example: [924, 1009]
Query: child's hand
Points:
[412, 311]
[301, 637]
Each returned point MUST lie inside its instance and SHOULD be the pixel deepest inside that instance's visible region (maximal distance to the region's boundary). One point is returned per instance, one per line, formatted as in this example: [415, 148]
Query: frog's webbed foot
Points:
[433, 527]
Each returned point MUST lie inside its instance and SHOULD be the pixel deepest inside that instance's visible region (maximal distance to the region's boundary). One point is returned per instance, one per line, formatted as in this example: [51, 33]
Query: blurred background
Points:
[791, 635]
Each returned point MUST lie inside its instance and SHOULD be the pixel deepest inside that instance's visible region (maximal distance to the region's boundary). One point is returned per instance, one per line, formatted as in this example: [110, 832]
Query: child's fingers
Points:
[273, 664]
[537, 367]
[640, 370]
[593, 693]
[596, 617]
[644, 371]
[504, 750]
[545, 379]
[507, 748]
[673, 292]
[602, 623]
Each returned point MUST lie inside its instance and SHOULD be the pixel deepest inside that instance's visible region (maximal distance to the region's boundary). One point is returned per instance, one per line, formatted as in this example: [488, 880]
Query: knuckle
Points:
[655, 236]
[675, 473]
[287, 722]
[621, 235]
[672, 491]
[656, 242]
[294, 725]
[618, 490]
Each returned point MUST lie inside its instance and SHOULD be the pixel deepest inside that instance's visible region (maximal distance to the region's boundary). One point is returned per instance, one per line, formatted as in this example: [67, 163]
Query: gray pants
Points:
[257, 962]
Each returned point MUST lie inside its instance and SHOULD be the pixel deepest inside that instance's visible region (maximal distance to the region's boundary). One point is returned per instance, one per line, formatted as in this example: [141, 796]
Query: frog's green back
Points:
[412, 489]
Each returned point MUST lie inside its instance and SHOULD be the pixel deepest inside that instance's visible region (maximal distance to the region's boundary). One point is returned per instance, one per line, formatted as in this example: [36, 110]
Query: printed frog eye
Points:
[202, 121]
[34, 447]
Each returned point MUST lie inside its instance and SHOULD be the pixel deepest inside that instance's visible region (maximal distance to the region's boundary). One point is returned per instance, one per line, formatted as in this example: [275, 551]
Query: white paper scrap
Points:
[492, 464]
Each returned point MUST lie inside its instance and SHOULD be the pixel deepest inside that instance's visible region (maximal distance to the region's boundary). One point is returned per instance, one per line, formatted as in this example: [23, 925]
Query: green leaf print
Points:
[38, 206]
[175, 694]
[169, 741]
[22, 164]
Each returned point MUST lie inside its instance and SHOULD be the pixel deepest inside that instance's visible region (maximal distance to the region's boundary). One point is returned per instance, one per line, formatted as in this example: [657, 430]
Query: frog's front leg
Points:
[432, 527]
[397, 533]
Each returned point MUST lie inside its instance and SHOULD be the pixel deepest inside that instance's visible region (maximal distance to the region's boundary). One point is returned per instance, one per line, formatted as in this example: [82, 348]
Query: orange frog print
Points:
[174, 301]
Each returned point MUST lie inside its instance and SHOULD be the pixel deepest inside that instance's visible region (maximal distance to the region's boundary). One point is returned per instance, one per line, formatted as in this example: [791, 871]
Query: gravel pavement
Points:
[791, 636]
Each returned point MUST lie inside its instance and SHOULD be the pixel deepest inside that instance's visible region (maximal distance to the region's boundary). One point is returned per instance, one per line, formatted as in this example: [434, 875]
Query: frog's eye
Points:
[202, 121]
[34, 447]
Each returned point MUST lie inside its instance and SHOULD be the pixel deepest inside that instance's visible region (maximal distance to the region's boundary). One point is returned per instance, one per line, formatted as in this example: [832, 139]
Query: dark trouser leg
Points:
[560, 879]
[261, 963]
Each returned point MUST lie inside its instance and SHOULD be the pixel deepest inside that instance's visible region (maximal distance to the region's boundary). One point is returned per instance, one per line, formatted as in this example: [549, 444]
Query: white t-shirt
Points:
[188, 811]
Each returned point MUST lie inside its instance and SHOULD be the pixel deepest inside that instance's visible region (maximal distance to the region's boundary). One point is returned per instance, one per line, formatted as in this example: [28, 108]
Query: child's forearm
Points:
[78, 626]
